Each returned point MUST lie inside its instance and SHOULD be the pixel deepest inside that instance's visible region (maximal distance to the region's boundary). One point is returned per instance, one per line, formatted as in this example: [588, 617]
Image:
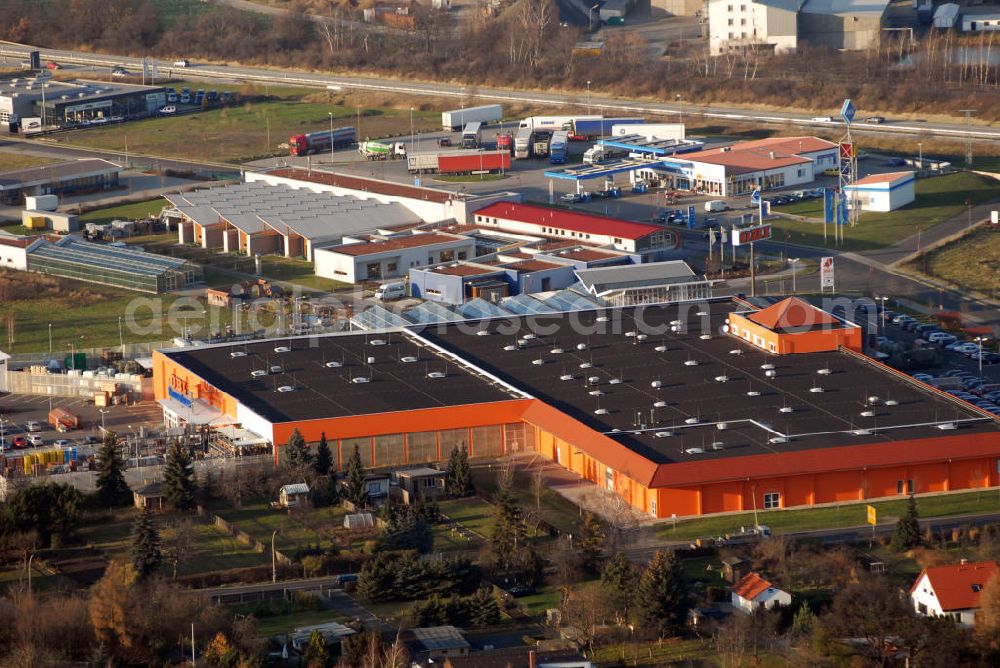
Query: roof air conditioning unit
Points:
[359, 380]
[767, 367]
[556, 351]
[660, 349]
[867, 413]
[437, 374]
[585, 365]
[615, 381]
[947, 426]
[663, 434]
[370, 360]
[656, 383]
[528, 337]
[282, 349]
[785, 409]
[777, 439]
[237, 353]
[509, 347]
[408, 359]
[691, 420]
[659, 404]
[257, 373]
[286, 388]
[601, 411]
[691, 363]
[595, 393]
[538, 362]
[753, 393]
[695, 451]
[482, 332]
[377, 342]
[824, 372]
[722, 379]
[594, 380]
[566, 376]
[891, 402]
[862, 432]
[736, 351]
[581, 346]
[816, 390]
[705, 337]
[334, 365]
[770, 373]
[277, 369]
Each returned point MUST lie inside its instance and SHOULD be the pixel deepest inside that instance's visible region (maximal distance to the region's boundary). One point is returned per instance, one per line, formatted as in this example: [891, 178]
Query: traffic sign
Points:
[848, 111]
[872, 515]
[846, 150]
[755, 197]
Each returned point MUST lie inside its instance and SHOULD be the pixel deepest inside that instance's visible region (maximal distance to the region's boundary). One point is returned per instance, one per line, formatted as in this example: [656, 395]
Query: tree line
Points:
[526, 46]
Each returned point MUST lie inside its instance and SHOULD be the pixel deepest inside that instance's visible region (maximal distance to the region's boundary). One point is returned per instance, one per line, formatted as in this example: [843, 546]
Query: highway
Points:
[599, 103]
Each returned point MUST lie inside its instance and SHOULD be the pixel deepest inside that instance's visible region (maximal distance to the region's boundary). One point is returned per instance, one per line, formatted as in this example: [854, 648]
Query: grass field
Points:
[250, 130]
[211, 549]
[668, 653]
[971, 262]
[269, 627]
[11, 160]
[133, 211]
[939, 198]
[260, 521]
[474, 514]
[831, 517]
[555, 508]
[86, 315]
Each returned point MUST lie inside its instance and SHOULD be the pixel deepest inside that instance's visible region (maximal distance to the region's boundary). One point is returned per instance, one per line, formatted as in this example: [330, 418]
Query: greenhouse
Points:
[113, 265]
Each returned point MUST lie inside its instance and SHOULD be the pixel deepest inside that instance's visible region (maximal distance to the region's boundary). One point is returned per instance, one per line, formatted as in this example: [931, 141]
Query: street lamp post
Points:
[121, 337]
[979, 355]
[30, 559]
[883, 300]
[920, 159]
[50, 340]
[103, 413]
[793, 261]
[331, 136]
[588, 97]
[411, 126]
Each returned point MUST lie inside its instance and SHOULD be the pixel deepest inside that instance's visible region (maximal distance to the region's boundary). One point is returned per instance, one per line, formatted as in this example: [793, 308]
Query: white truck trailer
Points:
[458, 118]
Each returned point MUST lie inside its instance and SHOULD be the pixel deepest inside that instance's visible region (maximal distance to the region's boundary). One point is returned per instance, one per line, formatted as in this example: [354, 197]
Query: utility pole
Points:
[968, 135]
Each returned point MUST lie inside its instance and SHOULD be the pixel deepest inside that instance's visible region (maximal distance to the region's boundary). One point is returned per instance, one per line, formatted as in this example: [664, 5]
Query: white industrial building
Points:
[14, 250]
[258, 218]
[740, 168]
[979, 19]
[431, 205]
[650, 131]
[883, 192]
[779, 25]
[390, 256]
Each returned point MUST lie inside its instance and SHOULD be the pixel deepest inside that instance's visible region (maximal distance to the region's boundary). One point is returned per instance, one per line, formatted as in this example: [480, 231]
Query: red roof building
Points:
[952, 590]
[753, 592]
[794, 326]
[579, 227]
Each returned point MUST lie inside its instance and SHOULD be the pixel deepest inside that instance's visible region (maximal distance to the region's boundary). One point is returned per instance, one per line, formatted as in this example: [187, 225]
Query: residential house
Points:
[753, 592]
[952, 591]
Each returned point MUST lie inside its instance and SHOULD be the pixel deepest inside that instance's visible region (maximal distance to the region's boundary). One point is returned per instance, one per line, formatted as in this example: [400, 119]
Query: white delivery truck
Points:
[389, 291]
[716, 205]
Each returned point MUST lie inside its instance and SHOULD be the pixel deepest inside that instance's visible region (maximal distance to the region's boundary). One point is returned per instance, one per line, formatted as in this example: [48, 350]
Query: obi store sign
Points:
[177, 389]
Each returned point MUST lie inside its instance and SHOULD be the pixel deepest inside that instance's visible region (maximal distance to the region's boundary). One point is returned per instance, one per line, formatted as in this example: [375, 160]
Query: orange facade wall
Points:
[167, 372]
[781, 343]
[429, 419]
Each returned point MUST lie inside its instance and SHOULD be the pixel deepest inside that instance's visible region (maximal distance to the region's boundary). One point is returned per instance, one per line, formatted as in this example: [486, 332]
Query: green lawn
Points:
[830, 517]
[133, 211]
[811, 208]
[555, 508]
[260, 521]
[939, 198]
[971, 262]
[248, 130]
[87, 315]
[211, 548]
[11, 160]
[474, 514]
[650, 653]
[299, 272]
[537, 603]
[269, 627]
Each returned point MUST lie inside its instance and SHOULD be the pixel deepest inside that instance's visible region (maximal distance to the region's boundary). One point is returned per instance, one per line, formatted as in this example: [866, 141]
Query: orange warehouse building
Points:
[672, 407]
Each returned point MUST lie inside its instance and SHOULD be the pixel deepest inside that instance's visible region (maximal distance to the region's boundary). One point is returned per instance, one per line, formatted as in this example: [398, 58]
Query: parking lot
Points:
[16, 410]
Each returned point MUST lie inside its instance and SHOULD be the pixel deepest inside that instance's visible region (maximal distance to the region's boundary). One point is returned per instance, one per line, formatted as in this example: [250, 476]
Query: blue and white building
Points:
[883, 192]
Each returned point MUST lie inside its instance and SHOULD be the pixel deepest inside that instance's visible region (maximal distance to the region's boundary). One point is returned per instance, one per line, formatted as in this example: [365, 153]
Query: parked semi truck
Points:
[505, 141]
[588, 129]
[522, 144]
[318, 142]
[558, 147]
[472, 135]
[456, 119]
[458, 162]
[540, 144]
[553, 123]
[376, 150]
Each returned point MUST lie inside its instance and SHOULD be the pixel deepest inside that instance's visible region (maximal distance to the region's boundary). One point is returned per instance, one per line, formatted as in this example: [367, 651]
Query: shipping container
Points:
[457, 119]
[472, 135]
[586, 129]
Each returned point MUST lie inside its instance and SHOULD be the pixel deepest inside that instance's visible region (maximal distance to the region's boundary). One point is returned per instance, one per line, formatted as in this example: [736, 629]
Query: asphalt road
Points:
[598, 103]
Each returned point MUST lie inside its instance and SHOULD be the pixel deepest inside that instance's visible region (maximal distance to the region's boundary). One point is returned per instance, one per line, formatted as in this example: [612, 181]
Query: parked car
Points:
[895, 162]
[90, 440]
[32, 425]
[53, 65]
[20, 442]
[875, 120]
[571, 198]
[61, 443]
[831, 171]
[444, 141]
[169, 109]
[183, 62]
[212, 96]
[35, 439]
[119, 72]
[822, 119]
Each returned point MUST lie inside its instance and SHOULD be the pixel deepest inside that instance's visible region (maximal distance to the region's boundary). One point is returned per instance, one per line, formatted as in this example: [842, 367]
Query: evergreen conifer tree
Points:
[146, 555]
[660, 598]
[619, 579]
[178, 478]
[317, 654]
[907, 533]
[324, 458]
[354, 480]
[458, 474]
[297, 453]
[508, 524]
[112, 490]
[590, 544]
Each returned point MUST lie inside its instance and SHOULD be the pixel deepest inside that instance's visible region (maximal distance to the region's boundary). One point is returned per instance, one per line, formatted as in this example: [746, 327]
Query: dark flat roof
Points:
[322, 392]
[713, 392]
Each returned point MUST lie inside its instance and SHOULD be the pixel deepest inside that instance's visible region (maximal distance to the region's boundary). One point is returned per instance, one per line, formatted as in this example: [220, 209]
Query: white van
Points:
[390, 291]
[35, 439]
[715, 205]
[32, 425]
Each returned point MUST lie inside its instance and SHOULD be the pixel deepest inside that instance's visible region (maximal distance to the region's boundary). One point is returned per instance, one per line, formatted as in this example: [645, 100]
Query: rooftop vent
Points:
[286, 388]
[334, 365]
[276, 369]
[377, 342]
[370, 360]
[777, 439]
[691, 420]
[359, 380]
[257, 373]
[660, 349]
[594, 380]
[785, 409]
[581, 346]
[237, 353]
[824, 372]
[770, 373]
[718, 445]
[947, 426]
[695, 451]
[691, 363]
[656, 383]
[408, 359]
[601, 411]
[437, 374]
[282, 349]
[566, 376]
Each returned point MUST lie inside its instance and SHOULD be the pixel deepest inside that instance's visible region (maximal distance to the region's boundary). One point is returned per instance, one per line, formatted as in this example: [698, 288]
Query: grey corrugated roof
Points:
[603, 279]
[848, 7]
[316, 216]
[73, 169]
[440, 637]
[87, 254]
